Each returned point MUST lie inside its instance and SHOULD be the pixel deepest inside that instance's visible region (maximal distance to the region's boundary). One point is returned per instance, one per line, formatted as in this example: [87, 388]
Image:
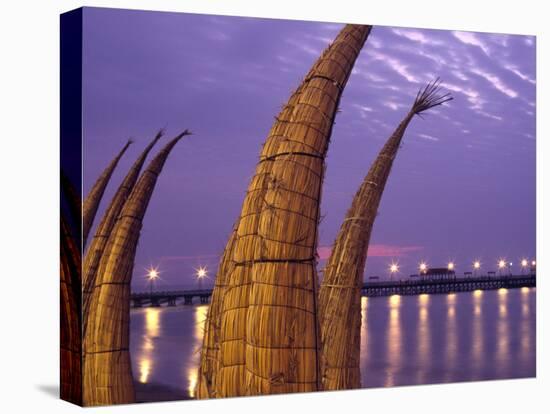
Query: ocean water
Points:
[406, 340]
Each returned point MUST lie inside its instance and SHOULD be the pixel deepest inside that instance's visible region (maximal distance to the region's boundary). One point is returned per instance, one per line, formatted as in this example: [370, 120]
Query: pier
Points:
[419, 286]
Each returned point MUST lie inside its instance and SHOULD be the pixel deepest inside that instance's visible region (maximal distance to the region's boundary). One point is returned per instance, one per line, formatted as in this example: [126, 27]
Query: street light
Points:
[501, 265]
[201, 273]
[477, 266]
[394, 268]
[423, 268]
[524, 264]
[152, 275]
[450, 266]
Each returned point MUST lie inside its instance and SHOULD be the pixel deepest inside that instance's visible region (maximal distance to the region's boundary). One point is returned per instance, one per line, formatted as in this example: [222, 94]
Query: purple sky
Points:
[462, 186]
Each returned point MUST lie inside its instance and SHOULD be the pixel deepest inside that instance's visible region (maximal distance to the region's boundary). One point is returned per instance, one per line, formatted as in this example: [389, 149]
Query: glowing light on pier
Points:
[423, 267]
[533, 263]
[477, 264]
[450, 266]
[501, 264]
[394, 268]
[524, 263]
[201, 272]
[153, 274]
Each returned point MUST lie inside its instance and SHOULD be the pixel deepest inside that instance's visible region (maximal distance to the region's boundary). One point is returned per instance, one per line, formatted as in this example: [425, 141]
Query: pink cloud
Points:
[376, 250]
[184, 258]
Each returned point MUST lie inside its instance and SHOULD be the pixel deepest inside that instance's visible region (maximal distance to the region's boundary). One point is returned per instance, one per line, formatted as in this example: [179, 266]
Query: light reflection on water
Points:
[152, 331]
[451, 337]
[424, 337]
[393, 353]
[477, 340]
[405, 339]
[194, 357]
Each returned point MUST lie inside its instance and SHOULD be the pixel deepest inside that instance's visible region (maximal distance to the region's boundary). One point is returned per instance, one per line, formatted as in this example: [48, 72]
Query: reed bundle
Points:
[92, 200]
[70, 321]
[231, 338]
[107, 366]
[268, 339]
[99, 241]
[209, 361]
[340, 293]
[70, 294]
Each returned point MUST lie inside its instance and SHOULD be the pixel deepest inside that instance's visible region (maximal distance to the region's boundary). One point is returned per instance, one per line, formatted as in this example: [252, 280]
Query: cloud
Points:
[460, 75]
[363, 110]
[323, 39]
[311, 50]
[394, 106]
[375, 43]
[469, 38]
[472, 95]
[491, 116]
[394, 64]
[514, 69]
[187, 258]
[218, 35]
[496, 82]
[376, 250]
[428, 137]
[416, 36]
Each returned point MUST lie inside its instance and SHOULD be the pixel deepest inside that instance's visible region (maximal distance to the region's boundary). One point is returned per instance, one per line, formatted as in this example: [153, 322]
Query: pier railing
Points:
[370, 288]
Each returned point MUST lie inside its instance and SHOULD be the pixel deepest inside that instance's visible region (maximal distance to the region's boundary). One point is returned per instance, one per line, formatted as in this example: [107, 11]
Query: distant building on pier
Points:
[437, 273]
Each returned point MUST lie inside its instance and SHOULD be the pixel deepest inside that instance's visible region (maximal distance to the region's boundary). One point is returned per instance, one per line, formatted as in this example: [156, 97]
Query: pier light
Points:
[501, 264]
[533, 263]
[524, 263]
[450, 266]
[423, 267]
[153, 274]
[477, 264]
[201, 273]
[394, 268]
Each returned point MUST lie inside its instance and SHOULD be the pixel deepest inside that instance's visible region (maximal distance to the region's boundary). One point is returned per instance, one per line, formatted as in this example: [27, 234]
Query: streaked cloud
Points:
[376, 250]
[496, 82]
[395, 64]
[416, 36]
[428, 137]
[470, 38]
[514, 69]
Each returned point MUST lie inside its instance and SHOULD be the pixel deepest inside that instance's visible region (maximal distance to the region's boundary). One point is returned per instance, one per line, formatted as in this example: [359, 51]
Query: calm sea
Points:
[406, 340]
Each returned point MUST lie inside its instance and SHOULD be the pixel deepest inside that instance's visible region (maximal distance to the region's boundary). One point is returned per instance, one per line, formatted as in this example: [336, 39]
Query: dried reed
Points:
[92, 200]
[70, 295]
[107, 365]
[209, 361]
[268, 337]
[99, 241]
[340, 293]
[70, 327]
